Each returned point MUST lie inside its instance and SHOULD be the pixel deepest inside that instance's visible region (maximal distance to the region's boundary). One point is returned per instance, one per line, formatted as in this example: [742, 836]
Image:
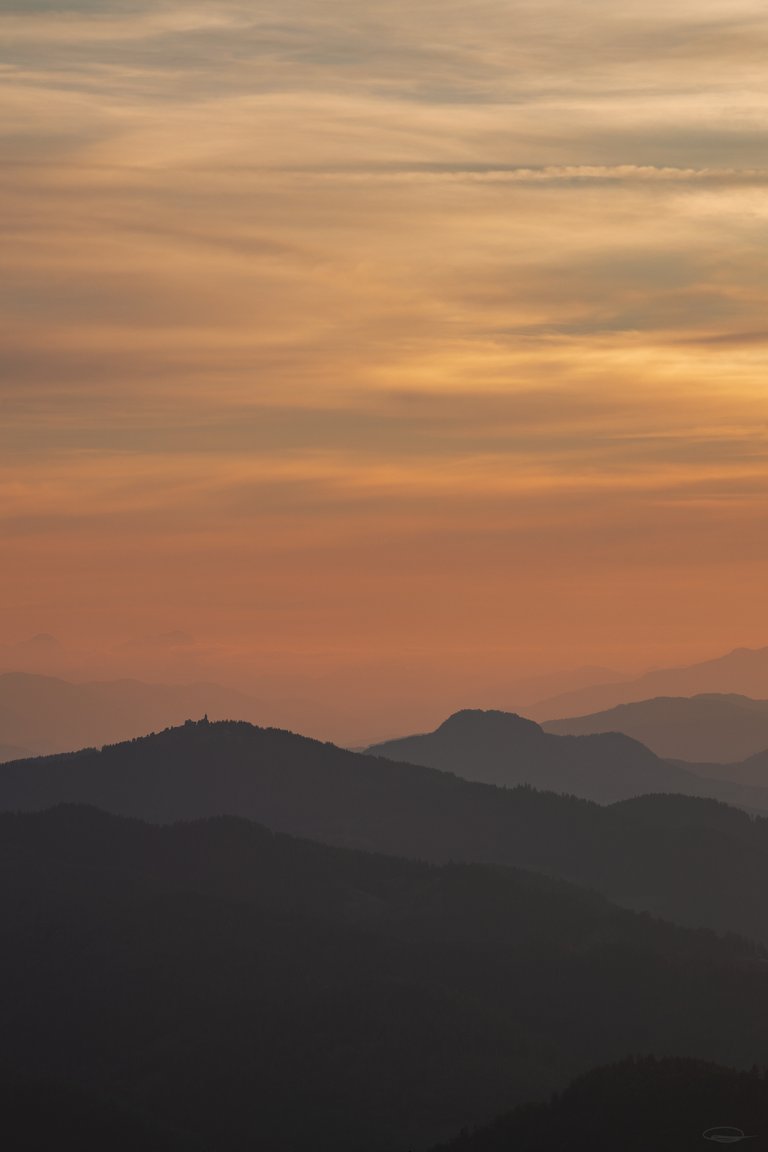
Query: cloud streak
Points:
[430, 328]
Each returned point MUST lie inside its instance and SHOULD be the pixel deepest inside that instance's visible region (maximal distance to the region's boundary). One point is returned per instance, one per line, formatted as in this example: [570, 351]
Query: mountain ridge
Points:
[695, 872]
[666, 1104]
[505, 749]
[716, 728]
[263, 991]
[743, 671]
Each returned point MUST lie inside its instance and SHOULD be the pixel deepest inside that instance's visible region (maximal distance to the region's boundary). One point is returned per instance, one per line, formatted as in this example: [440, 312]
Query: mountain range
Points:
[743, 671]
[45, 714]
[709, 729]
[241, 989]
[691, 860]
[752, 772]
[507, 750]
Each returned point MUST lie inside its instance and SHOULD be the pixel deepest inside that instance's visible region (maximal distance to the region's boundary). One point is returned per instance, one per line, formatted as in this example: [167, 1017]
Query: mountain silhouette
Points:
[743, 671]
[40, 715]
[750, 773]
[666, 1105]
[258, 991]
[504, 749]
[696, 871]
[710, 727]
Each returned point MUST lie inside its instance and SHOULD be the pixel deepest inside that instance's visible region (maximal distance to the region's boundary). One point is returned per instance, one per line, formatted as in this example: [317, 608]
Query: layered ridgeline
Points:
[744, 670]
[505, 749]
[752, 772]
[243, 989]
[665, 1105]
[715, 730]
[694, 861]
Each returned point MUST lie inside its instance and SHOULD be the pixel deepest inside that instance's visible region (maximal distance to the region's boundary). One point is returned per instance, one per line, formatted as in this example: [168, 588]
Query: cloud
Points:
[392, 320]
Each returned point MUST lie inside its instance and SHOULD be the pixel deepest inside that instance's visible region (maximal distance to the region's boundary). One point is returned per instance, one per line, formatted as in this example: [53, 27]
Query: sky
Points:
[379, 354]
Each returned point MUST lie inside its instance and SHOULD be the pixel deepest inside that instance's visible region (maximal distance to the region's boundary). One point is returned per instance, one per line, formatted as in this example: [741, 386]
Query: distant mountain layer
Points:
[691, 860]
[743, 671]
[504, 749]
[246, 990]
[707, 728]
[40, 715]
[752, 772]
[666, 1105]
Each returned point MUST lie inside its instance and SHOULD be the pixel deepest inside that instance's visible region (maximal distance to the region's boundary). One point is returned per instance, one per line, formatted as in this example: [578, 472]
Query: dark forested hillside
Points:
[38, 1116]
[252, 990]
[665, 1105]
[705, 865]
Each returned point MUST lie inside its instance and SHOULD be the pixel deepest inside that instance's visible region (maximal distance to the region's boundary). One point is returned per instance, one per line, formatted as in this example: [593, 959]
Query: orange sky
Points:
[389, 351]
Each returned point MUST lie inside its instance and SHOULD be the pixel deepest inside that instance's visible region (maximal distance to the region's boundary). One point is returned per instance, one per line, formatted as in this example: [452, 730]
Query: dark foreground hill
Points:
[251, 990]
[606, 765]
[693, 861]
[666, 1105]
[38, 1116]
[709, 729]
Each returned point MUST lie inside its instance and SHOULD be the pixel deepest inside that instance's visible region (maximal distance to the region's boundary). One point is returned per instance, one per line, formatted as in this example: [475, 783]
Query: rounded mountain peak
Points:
[493, 722]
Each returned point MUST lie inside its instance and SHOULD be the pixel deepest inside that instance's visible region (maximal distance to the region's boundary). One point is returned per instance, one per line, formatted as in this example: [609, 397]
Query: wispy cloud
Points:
[466, 301]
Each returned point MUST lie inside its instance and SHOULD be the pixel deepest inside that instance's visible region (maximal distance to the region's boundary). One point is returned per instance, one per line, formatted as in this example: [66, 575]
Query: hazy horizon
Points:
[380, 709]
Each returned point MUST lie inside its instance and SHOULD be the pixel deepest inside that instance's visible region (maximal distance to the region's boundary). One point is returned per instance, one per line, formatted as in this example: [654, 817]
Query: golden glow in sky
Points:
[389, 350]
